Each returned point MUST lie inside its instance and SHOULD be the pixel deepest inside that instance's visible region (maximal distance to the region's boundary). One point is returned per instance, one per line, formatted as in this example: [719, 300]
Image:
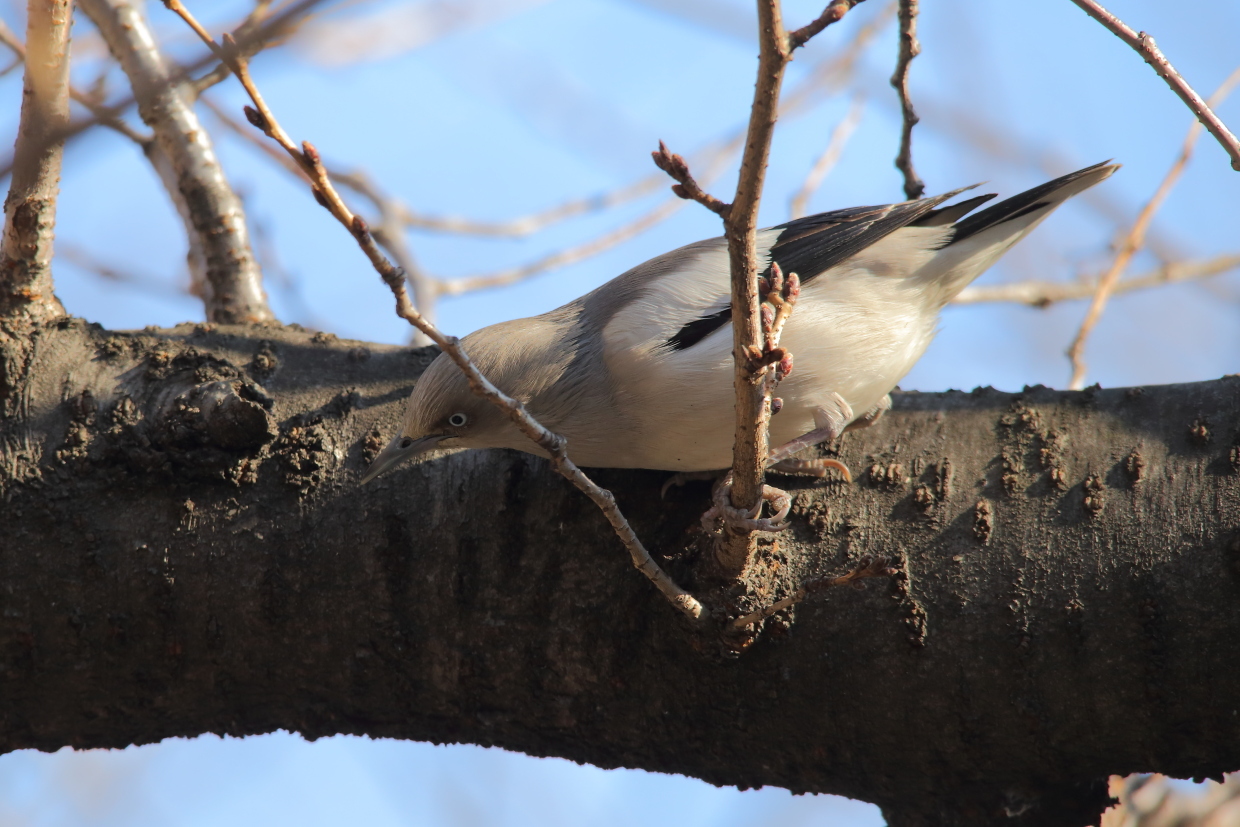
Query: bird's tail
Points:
[979, 240]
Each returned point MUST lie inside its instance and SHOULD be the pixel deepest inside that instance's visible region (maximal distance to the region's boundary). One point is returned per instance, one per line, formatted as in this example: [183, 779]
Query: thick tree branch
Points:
[186, 551]
[1145, 46]
[222, 264]
[26, 288]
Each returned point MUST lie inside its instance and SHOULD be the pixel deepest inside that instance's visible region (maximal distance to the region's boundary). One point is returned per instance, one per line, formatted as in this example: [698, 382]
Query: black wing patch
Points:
[812, 245]
[698, 329]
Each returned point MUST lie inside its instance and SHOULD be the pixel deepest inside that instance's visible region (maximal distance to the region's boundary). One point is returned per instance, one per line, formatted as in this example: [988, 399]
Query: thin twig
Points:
[876, 567]
[686, 187]
[428, 289]
[1145, 46]
[750, 445]
[307, 157]
[1134, 238]
[572, 255]
[914, 187]
[829, 158]
[1045, 293]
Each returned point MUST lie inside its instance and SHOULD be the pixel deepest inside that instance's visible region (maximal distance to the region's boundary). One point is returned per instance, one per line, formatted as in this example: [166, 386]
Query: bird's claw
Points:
[811, 468]
[742, 520]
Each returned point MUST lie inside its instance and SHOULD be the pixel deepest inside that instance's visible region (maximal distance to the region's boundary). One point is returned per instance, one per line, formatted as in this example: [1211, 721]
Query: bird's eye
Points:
[405, 443]
[458, 420]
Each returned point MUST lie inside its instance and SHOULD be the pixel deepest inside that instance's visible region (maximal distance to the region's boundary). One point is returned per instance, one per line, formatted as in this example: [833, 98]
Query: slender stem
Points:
[1046, 293]
[826, 162]
[1145, 46]
[1134, 239]
[914, 187]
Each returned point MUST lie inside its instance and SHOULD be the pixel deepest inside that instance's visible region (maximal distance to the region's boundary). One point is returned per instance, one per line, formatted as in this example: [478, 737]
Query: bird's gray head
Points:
[443, 412]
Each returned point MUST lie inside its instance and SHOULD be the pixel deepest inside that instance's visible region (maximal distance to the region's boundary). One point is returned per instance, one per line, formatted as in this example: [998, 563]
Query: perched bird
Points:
[638, 373]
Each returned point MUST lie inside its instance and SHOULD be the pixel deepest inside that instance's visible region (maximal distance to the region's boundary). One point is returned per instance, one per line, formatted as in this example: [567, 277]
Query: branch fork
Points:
[686, 186]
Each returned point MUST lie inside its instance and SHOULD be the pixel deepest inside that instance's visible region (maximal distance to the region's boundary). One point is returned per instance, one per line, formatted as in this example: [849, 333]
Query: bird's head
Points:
[443, 412]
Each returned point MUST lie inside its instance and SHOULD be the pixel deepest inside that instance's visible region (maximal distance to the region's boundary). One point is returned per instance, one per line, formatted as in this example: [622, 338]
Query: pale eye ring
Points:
[458, 420]
[406, 443]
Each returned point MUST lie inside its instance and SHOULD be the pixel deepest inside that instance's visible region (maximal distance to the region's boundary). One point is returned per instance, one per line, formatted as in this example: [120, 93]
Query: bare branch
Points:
[686, 187]
[529, 224]
[30, 209]
[307, 157]
[829, 158]
[1046, 293]
[1145, 46]
[914, 187]
[272, 28]
[750, 448]
[1133, 240]
[9, 39]
[572, 255]
[220, 256]
[833, 13]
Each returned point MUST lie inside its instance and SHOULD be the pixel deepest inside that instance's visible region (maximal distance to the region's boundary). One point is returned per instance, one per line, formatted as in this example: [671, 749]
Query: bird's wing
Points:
[812, 245]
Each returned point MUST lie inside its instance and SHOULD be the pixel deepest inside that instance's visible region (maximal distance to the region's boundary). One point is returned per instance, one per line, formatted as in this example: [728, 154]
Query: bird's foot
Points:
[682, 477]
[742, 520]
[810, 468]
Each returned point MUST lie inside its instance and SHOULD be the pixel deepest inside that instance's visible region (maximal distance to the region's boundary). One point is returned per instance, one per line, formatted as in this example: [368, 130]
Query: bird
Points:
[638, 373]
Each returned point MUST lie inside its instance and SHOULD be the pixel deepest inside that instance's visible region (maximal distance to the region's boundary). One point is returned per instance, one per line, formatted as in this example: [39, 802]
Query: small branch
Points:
[830, 157]
[427, 289]
[1145, 46]
[275, 25]
[572, 255]
[10, 39]
[1133, 240]
[914, 187]
[750, 447]
[833, 13]
[876, 567]
[686, 187]
[222, 262]
[527, 224]
[30, 209]
[1045, 293]
[307, 158]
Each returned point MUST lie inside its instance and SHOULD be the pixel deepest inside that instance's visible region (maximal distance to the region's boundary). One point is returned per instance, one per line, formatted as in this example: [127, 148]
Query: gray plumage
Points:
[638, 373]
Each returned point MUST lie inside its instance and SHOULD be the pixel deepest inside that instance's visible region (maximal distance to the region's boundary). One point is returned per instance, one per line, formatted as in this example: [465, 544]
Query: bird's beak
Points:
[397, 451]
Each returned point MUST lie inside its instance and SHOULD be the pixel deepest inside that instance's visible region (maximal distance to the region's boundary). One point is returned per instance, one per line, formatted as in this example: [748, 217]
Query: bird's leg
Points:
[871, 416]
[830, 424]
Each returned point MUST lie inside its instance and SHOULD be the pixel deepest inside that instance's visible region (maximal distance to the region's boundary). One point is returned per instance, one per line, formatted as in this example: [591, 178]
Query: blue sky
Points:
[522, 105]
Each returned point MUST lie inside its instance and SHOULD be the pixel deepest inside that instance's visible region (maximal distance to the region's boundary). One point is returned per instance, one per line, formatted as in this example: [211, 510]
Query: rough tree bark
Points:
[184, 550]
